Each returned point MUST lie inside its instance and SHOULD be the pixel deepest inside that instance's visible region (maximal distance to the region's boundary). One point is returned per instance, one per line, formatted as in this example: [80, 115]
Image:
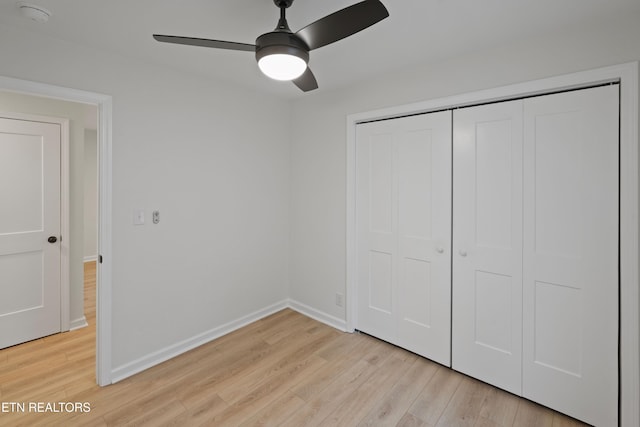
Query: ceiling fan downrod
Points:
[282, 23]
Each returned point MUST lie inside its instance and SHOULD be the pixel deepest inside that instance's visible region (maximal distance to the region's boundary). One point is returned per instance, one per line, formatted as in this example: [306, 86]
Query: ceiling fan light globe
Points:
[282, 66]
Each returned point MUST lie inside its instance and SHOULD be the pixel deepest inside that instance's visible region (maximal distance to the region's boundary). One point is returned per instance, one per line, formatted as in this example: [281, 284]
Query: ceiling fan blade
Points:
[307, 81]
[192, 41]
[343, 23]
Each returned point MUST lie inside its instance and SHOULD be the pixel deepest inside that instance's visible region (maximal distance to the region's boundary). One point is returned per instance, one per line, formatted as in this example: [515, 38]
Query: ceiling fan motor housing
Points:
[280, 42]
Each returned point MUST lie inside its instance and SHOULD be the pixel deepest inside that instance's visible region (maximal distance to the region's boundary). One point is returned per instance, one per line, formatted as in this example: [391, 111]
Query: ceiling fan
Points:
[283, 54]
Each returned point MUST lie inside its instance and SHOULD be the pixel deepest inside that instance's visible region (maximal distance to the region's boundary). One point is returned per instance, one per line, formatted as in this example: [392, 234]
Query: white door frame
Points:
[104, 269]
[627, 76]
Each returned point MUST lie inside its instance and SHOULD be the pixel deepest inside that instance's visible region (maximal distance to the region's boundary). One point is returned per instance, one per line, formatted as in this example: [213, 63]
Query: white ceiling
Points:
[417, 31]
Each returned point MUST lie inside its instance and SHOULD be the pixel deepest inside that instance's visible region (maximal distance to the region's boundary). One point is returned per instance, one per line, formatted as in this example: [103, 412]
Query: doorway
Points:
[102, 107]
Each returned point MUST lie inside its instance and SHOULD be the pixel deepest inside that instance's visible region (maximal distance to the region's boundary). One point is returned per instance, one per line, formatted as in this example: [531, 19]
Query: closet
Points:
[487, 240]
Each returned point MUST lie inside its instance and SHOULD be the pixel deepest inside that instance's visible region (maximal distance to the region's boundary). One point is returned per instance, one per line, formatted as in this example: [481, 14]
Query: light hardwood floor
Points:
[284, 370]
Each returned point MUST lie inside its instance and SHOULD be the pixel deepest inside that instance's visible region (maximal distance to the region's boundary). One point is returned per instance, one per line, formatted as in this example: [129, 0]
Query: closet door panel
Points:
[424, 234]
[487, 240]
[403, 211]
[571, 253]
[376, 231]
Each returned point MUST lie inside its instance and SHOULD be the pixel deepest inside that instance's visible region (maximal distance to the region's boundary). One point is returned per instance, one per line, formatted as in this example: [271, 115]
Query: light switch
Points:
[138, 217]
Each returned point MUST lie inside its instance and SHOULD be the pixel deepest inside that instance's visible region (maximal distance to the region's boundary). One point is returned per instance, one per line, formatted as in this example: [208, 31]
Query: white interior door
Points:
[571, 253]
[403, 214]
[487, 243]
[29, 215]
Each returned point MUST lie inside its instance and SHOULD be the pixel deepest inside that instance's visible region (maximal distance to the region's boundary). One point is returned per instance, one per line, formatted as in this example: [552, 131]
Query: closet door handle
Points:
[462, 253]
[440, 250]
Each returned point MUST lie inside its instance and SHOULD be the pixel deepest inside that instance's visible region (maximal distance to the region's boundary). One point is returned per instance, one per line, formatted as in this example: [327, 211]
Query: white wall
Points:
[19, 103]
[212, 158]
[318, 133]
[90, 251]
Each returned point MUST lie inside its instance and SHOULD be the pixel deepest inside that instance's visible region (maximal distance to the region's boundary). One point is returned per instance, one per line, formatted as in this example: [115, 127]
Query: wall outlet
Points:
[339, 299]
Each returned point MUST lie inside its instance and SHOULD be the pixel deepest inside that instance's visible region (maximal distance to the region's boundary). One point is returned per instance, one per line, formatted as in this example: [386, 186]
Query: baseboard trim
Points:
[78, 324]
[146, 362]
[155, 358]
[318, 315]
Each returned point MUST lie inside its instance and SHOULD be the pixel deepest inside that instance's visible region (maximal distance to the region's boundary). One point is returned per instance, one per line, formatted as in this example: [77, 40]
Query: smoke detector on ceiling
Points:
[34, 12]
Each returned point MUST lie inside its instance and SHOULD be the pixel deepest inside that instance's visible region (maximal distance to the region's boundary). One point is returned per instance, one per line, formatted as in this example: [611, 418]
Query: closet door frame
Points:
[627, 76]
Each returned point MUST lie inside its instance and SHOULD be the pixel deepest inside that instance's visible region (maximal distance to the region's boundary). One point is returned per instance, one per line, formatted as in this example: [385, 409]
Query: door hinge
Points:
[100, 259]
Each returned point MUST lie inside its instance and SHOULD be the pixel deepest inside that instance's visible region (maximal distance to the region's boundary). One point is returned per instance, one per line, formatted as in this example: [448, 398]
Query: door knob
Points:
[462, 253]
[52, 239]
[440, 250]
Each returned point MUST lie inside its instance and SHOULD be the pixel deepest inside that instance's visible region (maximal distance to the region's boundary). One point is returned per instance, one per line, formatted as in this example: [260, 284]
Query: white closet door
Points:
[403, 211]
[487, 243]
[571, 253]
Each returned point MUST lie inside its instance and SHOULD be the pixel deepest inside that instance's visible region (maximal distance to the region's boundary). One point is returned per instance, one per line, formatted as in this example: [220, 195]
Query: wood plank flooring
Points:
[284, 370]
